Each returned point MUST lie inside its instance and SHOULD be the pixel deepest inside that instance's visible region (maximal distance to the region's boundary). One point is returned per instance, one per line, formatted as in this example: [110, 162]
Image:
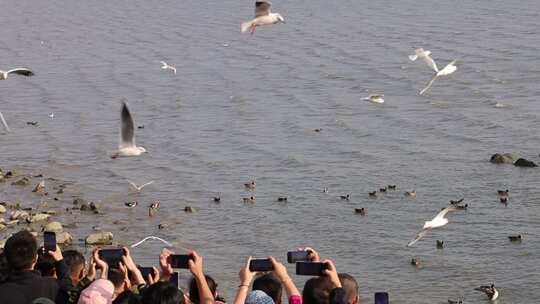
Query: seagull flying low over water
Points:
[127, 145]
[438, 221]
[375, 98]
[18, 71]
[4, 122]
[139, 188]
[425, 55]
[263, 16]
[166, 66]
[490, 291]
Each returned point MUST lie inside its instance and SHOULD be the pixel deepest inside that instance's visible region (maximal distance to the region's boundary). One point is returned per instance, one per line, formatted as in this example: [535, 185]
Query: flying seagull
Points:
[127, 145]
[4, 122]
[426, 56]
[139, 188]
[263, 16]
[438, 221]
[19, 71]
[447, 70]
[375, 98]
[490, 291]
[166, 66]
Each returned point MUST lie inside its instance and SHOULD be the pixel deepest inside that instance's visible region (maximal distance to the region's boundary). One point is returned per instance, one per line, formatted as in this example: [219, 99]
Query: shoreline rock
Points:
[522, 162]
[100, 238]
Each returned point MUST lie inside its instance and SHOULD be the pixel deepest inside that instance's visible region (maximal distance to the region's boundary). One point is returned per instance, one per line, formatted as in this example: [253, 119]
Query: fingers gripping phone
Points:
[180, 260]
[259, 265]
[381, 298]
[298, 256]
[145, 271]
[49, 241]
[112, 257]
[310, 268]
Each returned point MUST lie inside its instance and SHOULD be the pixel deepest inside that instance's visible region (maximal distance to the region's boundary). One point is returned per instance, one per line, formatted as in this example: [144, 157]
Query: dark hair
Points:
[270, 284]
[194, 290]
[127, 297]
[162, 293]
[116, 277]
[317, 290]
[4, 267]
[45, 263]
[350, 285]
[20, 250]
[74, 260]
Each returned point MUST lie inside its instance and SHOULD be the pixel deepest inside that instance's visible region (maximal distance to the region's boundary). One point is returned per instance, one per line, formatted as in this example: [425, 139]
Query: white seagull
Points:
[438, 221]
[166, 66]
[448, 69]
[4, 122]
[375, 98]
[127, 145]
[425, 55]
[139, 188]
[19, 71]
[263, 16]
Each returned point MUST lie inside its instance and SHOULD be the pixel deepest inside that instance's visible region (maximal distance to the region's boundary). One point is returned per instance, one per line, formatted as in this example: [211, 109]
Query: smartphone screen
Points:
[145, 271]
[174, 279]
[179, 260]
[111, 256]
[310, 268]
[261, 265]
[381, 298]
[297, 256]
[49, 241]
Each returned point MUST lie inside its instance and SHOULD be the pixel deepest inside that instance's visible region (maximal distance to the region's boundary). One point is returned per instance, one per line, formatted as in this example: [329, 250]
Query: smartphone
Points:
[261, 265]
[145, 271]
[49, 241]
[111, 256]
[381, 298]
[180, 260]
[297, 256]
[310, 268]
[174, 279]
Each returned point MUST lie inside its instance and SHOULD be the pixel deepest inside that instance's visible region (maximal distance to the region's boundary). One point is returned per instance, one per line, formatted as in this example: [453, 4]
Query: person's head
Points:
[162, 293]
[127, 297]
[317, 290]
[118, 280]
[75, 263]
[194, 290]
[270, 284]
[351, 287]
[258, 297]
[45, 264]
[21, 251]
[4, 267]
[101, 291]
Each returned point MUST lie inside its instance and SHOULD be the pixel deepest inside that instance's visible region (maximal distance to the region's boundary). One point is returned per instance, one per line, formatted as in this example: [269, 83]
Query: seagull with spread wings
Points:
[139, 188]
[127, 145]
[263, 16]
[18, 71]
[166, 66]
[438, 221]
[426, 56]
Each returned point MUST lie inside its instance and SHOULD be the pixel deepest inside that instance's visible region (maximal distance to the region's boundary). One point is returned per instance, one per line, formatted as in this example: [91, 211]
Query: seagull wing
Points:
[430, 62]
[419, 236]
[133, 185]
[262, 8]
[149, 183]
[128, 128]
[21, 71]
[4, 122]
[429, 85]
[448, 69]
[443, 212]
[164, 64]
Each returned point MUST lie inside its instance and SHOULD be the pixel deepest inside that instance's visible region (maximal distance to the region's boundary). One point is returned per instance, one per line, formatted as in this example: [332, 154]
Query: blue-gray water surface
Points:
[244, 107]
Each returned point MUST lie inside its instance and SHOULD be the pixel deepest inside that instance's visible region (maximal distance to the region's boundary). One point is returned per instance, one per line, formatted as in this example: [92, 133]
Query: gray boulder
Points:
[522, 162]
[100, 238]
[506, 158]
[54, 227]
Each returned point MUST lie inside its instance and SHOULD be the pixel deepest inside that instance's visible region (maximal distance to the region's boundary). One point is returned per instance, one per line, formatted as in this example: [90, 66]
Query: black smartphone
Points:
[261, 265]
[310, 268]
[381, 298]
[180, 260]
[297, 256]
[145, 271]
[111, 256]
[174, 279]
[49, 241]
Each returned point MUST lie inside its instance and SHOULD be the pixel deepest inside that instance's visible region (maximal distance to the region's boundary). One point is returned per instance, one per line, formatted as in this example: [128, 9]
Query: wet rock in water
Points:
[93, 206]
[2, 227]
[2, 209]
[51, 212]
[55, 227]
[2, 220]
[101, 238]
[60, 191]
[80, 201]
[18, 215]
[84, 207]
[506, 158]
[9, 174]
[40, 188]
[71, 225]
[189, 209]
[21, 182]
[12, 223]
[522, 162]
[120, 223]
[40, 217]
[162, 226]
[64, 238]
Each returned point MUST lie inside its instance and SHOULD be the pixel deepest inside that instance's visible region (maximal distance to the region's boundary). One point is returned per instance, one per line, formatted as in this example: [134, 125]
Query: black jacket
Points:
[25, 286]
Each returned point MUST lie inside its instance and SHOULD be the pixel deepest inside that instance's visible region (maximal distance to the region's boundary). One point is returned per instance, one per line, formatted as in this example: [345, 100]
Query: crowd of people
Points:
[29, 274]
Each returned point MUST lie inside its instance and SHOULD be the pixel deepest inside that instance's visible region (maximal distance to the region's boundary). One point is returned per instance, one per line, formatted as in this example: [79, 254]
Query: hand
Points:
[279, 270]
[124, 270]
[164, 264]
[100, 263]
[56, 254]
[91, 274]
[312, 255]
[246, 275]
[331, 272]
[155, 278]
[196, 264]
[128, 260]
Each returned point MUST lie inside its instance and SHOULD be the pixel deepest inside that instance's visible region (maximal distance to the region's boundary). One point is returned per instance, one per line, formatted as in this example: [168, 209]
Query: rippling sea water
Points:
[244, 108]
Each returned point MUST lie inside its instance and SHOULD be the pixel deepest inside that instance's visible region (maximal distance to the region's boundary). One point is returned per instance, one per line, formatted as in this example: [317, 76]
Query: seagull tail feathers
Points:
[245, 26]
